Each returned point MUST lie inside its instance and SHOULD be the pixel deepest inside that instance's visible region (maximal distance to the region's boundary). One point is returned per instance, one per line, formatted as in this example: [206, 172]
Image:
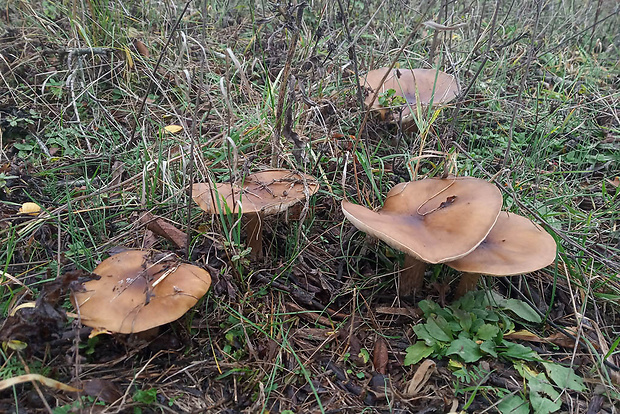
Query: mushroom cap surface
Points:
[430, 84]
[124, 299]
[514, 246]
[267, 192]
[433, 220]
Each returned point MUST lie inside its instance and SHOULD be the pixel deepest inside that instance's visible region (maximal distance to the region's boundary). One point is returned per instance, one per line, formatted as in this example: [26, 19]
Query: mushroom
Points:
[260, 194]
[431, 221]
[432, 87]
[514, 246]
[138, 290]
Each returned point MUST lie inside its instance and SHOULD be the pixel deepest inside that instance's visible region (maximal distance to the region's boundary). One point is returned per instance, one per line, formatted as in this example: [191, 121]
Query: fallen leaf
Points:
[97, 332]
[173, 129]
[31, 209]
[105, 390]
[48, 382]
[164, 229]
[524, 335]
[15, 345]
[128, 57]
[420, 378]
[380, 356]
[615, 182]
[141, 48]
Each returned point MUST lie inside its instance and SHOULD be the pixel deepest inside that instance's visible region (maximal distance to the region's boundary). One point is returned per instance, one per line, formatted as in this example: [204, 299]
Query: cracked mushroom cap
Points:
[139, 290]
[514, 246]
[267, 192]
[433, 220]
[430, 84]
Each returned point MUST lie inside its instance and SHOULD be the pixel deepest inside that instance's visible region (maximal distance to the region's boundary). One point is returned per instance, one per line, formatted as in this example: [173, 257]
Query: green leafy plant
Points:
[473, 328]
[389, 98]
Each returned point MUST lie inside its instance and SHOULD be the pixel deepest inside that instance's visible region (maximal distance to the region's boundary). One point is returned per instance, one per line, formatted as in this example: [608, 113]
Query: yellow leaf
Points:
[173, 129]
[128, 56]
[15, 345]
[31, 209]
[97, 332]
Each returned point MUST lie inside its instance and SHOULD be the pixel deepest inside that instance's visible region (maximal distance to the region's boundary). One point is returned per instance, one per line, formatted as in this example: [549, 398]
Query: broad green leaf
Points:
[487, 332]
[508, 324]
[513, 404]
[431, 308]
[465, 303]
[564, 377]
[465, 319]
[544, 398]
[493, 299]
[468, 350]
[435, 326]
[492, 316]
[522, 310]
[445, 325]
[423, 334]
[417, 352]
[518, 351]
[489, 347]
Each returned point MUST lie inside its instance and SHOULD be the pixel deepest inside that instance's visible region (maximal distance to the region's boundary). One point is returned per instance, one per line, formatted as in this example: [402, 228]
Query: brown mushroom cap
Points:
[266, 192]
[124, 299]
[433, 220]
[430, 85]
[514, 246]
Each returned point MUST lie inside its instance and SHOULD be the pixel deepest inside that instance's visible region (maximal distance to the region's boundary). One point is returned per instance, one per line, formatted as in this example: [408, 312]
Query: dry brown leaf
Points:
[105, 390]
[380, 356]
[562, 340]
[524, 335]
[420, 378]
[141, 48]
[557, 338]
[164, 229]
[615, 182]
[48, 382]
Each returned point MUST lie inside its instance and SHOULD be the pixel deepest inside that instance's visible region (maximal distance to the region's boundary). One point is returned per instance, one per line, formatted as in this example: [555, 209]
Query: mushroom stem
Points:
[411, 277]
[468, 283]
[255, 236]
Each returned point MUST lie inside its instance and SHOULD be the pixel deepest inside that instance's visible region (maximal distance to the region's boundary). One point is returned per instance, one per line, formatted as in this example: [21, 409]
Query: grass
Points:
[291, 333]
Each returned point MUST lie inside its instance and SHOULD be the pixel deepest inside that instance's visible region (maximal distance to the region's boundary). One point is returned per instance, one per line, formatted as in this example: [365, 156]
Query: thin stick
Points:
[286, 73]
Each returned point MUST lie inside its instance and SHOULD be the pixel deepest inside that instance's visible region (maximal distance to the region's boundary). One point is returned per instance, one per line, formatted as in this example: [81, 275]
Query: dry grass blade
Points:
[48, 382]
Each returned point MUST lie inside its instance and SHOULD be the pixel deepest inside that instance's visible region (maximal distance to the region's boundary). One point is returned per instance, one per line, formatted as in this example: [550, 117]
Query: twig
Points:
[286, 72]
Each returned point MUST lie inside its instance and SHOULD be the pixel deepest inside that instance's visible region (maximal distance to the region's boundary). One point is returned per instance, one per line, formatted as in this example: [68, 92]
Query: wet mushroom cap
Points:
[124, 299]
[430, 85]
[266, 192]
[433, 220]
[515, 245]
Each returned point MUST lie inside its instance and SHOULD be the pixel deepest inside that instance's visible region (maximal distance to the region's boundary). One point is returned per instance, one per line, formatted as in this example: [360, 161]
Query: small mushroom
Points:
[139, 290]
[431, 221]
[433, 87]
[260, 194]
[514, 246]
